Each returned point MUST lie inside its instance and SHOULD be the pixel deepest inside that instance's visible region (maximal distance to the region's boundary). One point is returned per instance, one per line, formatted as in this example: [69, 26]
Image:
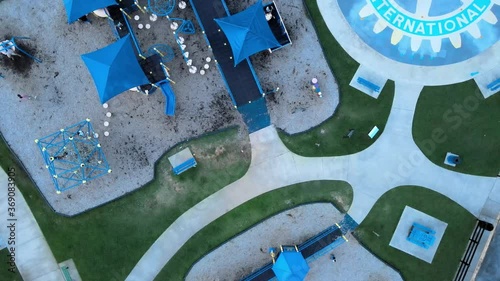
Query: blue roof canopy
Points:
[115, 69]
[78, 8]
[291, 266]
[248, 32]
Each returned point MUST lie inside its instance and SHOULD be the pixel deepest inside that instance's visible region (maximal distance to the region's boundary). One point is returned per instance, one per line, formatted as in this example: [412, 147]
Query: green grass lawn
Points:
[456, 118]
[384, 217]
[5, 274]
[107, 242]
[356, 110]
[339, 193]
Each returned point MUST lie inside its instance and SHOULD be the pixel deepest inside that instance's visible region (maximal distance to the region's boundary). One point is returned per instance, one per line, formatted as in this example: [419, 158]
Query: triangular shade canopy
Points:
[290, 266]
[115, 69]
[248, 32]
[78, 8]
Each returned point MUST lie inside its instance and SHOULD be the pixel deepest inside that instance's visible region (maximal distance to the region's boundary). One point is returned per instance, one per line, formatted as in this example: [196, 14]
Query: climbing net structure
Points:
[161, 7]
[73, 156]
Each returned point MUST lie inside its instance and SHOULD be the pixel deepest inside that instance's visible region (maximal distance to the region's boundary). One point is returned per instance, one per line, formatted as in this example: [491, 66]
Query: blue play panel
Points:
[421, 236]
[429, 33]
[255, 115]
[73, 156]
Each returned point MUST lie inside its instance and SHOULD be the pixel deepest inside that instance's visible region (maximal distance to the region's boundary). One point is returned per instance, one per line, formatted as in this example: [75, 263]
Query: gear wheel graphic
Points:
[420, 26]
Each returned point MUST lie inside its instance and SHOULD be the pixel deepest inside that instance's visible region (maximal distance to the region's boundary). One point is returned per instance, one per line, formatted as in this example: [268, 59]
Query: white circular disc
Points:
[100, 13]
[202, 72]
[136, 17]
[153, 17]
[106, 133]
[206, 66]
[182, 5]
[148, 26]
[140, 26]
[105, 105]
[106, 123]
[314, 80]
[208, 59]
[108, 114]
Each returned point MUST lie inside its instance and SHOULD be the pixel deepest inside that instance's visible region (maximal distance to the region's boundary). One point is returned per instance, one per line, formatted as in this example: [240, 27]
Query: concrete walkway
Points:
[34, 259]
[393, 160]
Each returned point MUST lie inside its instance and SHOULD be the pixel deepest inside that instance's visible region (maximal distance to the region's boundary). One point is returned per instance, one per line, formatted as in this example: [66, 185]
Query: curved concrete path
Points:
[393, 160]
[34, 259]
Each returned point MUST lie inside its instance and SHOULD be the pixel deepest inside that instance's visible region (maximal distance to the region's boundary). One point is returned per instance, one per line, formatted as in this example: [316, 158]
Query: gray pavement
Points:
[397, 71]
[393, 160]
[33, 256]
[139, 131]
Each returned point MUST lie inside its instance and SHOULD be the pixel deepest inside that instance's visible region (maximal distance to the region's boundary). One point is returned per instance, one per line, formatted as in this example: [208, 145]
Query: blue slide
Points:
[170, 97]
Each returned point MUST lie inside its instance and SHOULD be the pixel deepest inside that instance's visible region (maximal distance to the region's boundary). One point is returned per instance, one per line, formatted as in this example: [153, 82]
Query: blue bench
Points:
[368, 84]
[495, 85]
[182, 161]
[184, 166]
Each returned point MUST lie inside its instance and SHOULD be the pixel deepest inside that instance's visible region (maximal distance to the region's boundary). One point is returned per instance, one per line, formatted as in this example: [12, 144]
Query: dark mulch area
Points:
[19, 65]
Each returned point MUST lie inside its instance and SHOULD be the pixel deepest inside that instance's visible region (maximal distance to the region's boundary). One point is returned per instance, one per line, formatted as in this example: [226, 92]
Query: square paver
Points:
[370, 76]
[406, 221]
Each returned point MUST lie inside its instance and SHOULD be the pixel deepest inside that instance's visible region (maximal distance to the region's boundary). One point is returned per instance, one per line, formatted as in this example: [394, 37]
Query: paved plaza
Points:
[408, 218]
[273, 166]
[414, 43]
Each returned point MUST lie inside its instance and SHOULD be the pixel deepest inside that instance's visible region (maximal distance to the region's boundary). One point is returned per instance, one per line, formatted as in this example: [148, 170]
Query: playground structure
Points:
[242, 83]
[421, 236]
[277, 26]
[186, 27]
[290, 264]
[268, 32]
[315, 87]
[154, 74]
[452, 159]
[310, 250]
[73, 156]
[161, 7]
[9, 48]
[233, 39]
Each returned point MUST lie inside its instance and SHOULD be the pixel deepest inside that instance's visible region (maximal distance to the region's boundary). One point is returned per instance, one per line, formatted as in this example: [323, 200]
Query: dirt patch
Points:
[222, 110]
[248, 251]
[219, 150]
[20, 63]
[337, 198]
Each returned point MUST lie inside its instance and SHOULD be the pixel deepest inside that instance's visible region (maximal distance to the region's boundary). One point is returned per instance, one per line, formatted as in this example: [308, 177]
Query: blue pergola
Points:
[73, 156]
[248, 32]
[290, 266]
